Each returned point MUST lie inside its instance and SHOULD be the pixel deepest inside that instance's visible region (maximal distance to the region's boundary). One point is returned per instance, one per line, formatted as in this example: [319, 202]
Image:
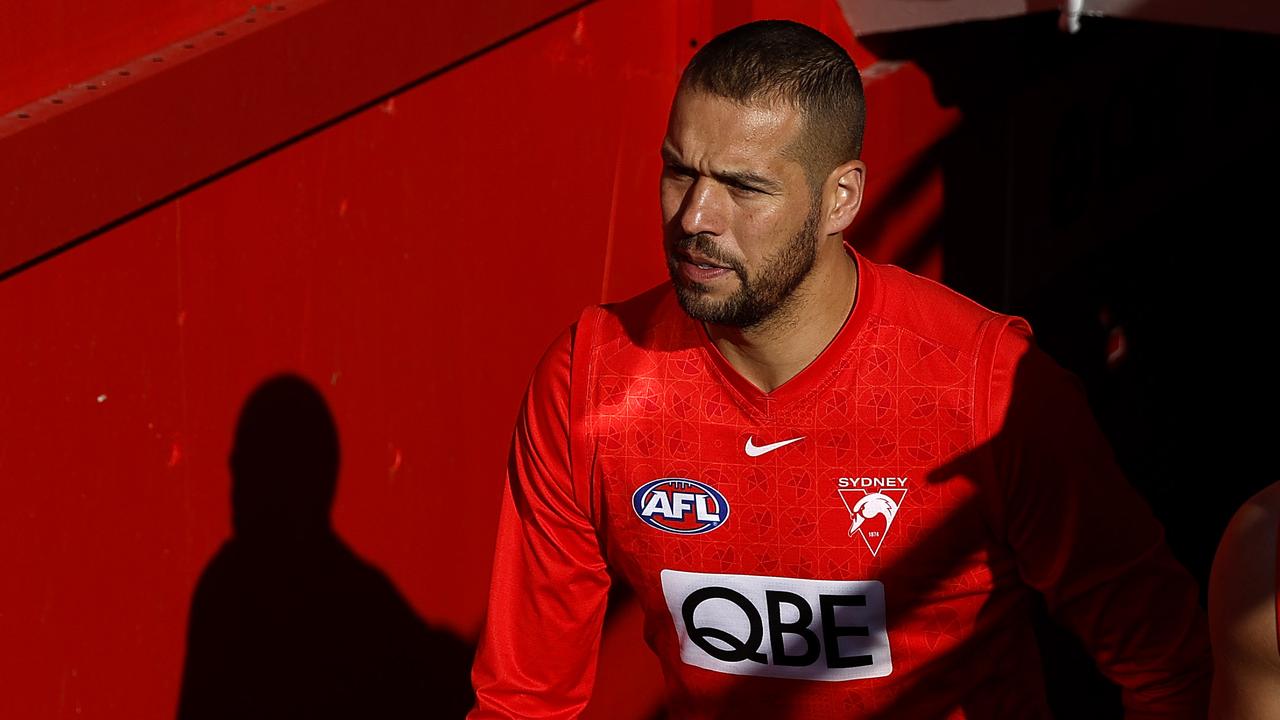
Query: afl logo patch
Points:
[680, 505]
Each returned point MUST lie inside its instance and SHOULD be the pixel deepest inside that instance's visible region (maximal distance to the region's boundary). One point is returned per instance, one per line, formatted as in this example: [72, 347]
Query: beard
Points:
[757, 298]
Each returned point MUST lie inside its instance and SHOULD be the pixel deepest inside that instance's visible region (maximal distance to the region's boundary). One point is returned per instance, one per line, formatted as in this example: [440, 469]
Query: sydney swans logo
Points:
[873, 504]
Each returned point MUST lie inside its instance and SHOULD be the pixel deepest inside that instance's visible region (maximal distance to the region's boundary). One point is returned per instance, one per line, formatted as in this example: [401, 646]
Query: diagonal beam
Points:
[107, 149]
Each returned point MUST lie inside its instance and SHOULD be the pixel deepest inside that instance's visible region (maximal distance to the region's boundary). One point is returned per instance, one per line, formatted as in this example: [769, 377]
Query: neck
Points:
[786, 342]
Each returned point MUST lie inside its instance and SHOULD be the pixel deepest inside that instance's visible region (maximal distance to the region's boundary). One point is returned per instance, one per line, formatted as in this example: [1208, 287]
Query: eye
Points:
[677, 170]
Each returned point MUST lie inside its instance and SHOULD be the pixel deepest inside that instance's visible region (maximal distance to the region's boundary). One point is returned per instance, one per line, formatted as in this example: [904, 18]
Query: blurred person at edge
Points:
[833, 485]
[1243, 610]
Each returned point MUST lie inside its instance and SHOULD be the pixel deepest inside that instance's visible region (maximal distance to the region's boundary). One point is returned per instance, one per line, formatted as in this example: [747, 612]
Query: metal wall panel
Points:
[410, 262]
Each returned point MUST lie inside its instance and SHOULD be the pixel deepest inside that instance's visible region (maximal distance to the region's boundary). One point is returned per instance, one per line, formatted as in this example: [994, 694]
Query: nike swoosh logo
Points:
[754, 450]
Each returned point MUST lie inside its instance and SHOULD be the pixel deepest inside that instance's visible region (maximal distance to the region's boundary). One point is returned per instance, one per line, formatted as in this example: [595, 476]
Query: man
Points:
[1243, 609]
[833, 485]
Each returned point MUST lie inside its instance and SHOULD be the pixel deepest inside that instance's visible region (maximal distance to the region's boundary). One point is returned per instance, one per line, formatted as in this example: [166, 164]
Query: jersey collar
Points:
[822, 369]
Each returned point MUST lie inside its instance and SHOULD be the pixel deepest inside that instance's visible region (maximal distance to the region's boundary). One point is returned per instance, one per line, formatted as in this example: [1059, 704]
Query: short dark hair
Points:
[781, 61]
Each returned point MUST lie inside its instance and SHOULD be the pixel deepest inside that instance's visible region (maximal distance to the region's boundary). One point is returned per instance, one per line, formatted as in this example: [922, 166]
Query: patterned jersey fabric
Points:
[863, 541]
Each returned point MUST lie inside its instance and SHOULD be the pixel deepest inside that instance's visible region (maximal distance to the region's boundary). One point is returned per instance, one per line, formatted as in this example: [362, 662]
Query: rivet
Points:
[56, 101]
[124, 73]
[91, 87]
[23, 116]
[157, 59]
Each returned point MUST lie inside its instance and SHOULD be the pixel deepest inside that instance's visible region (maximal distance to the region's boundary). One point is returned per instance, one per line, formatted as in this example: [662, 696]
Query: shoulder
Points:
[932, 310]
[646, 322]
[1242, 613]
[1242, 586]
[646, 318]
[956, 337]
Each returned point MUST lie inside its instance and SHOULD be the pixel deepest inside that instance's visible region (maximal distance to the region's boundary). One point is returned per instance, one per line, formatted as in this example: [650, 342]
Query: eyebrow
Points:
[737, 177]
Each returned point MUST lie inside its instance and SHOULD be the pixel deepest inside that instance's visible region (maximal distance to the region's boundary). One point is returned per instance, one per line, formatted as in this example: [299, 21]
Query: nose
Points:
[703, 210]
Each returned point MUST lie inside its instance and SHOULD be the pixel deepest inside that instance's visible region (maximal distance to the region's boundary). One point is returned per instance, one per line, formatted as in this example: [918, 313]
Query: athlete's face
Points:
[740, 220]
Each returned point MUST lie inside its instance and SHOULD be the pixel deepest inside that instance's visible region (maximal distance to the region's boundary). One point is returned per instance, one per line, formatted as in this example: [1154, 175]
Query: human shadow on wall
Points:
[286, 620]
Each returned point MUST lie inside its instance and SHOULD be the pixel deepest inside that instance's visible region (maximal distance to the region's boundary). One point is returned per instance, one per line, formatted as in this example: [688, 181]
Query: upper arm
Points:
[547, 597]
[1069, 512]
[1242, 613]
[1086, 540]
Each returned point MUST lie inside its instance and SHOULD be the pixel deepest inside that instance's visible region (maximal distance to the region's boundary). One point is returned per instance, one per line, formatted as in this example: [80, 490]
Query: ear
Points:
[843, 190]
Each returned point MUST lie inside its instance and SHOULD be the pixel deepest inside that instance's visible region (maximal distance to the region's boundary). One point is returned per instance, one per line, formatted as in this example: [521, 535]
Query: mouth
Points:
[701, 262]
[701, 269]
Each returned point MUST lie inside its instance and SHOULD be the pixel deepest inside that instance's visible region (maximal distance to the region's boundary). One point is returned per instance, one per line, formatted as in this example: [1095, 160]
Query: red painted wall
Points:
[47, 45]
[411, 262]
